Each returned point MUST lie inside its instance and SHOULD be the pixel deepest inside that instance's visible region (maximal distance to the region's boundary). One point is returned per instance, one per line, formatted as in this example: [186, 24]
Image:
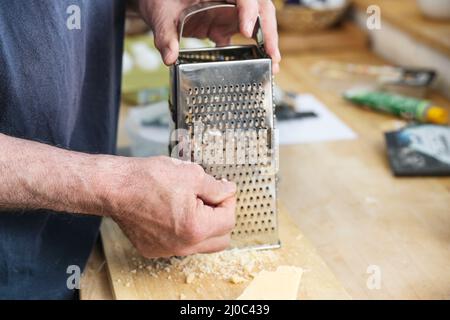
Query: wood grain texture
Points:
[317, 282]
[406, 15]
[344, 198]
[95, 281]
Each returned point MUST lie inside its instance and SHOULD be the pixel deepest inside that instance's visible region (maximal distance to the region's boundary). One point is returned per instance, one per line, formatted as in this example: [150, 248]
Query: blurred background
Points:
[399, 47]
[362, 105]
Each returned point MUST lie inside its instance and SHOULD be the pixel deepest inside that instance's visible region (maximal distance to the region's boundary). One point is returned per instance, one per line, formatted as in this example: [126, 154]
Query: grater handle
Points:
[204, 6]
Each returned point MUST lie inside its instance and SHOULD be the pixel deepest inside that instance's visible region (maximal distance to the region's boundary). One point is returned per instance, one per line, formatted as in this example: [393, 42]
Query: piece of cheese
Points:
[281, 284]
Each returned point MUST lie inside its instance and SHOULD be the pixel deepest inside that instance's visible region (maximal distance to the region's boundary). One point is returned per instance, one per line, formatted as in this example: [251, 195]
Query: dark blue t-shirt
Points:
[60, 73]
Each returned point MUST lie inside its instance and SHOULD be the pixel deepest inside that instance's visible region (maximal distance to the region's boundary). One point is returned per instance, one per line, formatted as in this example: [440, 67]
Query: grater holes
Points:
[231, 107]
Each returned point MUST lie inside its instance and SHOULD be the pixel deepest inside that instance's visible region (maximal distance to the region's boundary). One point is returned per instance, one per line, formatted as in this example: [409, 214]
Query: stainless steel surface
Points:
[222, 98]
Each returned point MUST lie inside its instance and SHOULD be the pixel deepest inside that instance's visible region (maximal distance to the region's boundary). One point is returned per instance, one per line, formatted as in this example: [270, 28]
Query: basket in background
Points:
[297, 18]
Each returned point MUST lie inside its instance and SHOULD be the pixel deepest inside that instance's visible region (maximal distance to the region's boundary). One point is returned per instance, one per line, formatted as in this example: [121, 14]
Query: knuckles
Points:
[192, 231]
[194, 176]
[196, 171]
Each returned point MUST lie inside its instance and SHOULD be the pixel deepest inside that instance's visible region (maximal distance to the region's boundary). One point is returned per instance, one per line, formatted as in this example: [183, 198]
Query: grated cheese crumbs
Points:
[235, 266]
[237, 279]
[190, 278]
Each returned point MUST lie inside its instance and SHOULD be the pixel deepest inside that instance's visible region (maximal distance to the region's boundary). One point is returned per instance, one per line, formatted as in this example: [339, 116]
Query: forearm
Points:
[38, 176]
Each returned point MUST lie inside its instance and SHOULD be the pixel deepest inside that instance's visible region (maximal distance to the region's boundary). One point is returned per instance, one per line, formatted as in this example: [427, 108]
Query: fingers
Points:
[216, 225]
[166, 40]
[221, 35]
[211, 245]
[166, 35]
[248, 13]
[215, 221]
[222, 41]
[269, 27]
[213, 192]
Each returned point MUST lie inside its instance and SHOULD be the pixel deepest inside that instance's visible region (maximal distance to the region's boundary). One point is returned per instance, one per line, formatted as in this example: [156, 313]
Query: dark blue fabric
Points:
[60, 87]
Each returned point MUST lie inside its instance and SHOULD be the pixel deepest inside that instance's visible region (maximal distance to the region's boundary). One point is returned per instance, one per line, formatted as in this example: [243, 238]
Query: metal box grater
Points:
[225, 94]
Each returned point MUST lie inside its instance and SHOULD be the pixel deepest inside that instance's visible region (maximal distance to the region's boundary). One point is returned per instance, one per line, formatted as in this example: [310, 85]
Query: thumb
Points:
[166, 40]
[213, 192]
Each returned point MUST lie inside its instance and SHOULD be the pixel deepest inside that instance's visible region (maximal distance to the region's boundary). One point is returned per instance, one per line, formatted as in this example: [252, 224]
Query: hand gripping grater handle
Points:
[205, 6]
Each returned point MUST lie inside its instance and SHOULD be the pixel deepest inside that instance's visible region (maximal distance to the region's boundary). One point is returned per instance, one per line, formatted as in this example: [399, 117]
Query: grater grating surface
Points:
[222, 97]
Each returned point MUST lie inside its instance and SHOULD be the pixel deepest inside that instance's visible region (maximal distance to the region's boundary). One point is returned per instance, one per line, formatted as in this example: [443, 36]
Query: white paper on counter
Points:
[325, 127]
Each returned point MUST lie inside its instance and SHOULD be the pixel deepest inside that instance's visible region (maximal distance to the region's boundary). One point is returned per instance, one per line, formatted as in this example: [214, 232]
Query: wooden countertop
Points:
[133, 278]
[344, 199]
[405, 14]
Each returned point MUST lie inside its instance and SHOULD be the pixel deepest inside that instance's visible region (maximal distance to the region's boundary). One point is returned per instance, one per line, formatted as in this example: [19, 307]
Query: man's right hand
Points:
[165, 206]
[168, 207]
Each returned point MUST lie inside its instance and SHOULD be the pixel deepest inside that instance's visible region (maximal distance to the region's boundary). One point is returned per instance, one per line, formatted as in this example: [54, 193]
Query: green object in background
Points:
[145, 78]
[146, 96]
[405, 107]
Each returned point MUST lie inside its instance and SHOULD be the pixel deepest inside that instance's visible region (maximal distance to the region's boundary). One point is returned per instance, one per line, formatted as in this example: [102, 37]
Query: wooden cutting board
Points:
[129, 282]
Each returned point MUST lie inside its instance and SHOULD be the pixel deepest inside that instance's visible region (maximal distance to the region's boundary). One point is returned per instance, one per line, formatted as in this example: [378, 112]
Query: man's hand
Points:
[218, 25]
[165, 206]
[168, 207]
